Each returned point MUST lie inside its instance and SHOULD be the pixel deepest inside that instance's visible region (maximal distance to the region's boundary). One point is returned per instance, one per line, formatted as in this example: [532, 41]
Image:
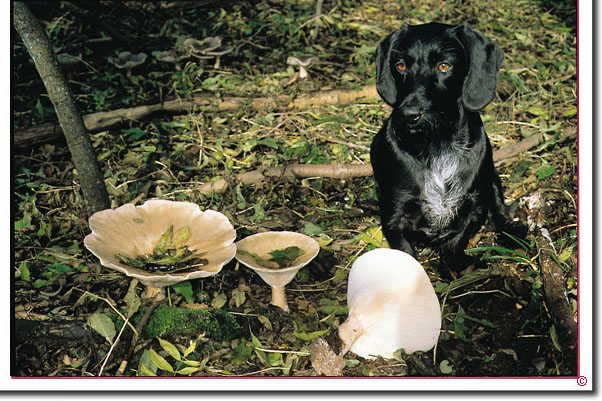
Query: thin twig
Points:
[112, 307]
[139, 328]
[108, 356]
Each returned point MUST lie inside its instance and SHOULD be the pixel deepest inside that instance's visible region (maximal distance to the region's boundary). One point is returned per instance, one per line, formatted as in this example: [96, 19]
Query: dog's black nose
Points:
[411, 114]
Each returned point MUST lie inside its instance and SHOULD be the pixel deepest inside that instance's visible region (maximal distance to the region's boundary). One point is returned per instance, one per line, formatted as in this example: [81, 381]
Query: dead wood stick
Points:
[104, 120]
[290, 172]
[139, 328]
[553, 278]
[345, 171]
[534, 140]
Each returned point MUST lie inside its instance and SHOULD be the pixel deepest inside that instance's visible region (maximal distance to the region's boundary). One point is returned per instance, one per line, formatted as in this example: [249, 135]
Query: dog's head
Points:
[432, 69]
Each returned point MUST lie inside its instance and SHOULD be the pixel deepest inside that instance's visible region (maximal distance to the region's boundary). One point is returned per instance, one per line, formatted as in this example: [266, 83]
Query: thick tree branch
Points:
[290, 172]
[344, 171]
[82, 152]
[104, 120]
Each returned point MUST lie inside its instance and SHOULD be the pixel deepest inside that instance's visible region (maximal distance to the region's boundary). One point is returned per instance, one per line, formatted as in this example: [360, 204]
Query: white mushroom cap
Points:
[392, 305]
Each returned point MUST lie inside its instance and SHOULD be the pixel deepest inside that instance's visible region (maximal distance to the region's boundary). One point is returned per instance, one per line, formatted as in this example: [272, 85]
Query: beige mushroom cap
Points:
[134, 230]
[263, 243]
[392, 305]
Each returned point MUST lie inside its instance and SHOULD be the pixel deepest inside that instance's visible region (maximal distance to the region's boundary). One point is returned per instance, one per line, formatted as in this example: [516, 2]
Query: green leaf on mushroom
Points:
[170, 254]
[281, 258]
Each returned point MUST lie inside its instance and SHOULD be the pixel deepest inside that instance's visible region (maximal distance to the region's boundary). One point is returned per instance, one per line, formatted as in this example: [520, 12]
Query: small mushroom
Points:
[207, 48]
[128, 61]
[392, 305]
[254, 251]
[131, 231]
[171, 56]
[303, 62]
[218, 53]
[200, 48]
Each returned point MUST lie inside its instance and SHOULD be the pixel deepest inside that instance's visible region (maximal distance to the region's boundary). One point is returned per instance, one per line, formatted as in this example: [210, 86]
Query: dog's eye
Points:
[401, 66]
[443, 67]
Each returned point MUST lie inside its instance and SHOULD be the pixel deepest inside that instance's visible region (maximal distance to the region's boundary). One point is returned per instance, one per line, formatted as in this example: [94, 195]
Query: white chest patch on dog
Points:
[442, 190]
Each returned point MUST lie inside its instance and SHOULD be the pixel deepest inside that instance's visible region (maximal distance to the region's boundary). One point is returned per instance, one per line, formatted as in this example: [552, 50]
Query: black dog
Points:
[432, 162]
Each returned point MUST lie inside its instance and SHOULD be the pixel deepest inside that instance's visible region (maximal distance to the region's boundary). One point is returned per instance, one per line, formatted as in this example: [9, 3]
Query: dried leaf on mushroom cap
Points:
[392, 305]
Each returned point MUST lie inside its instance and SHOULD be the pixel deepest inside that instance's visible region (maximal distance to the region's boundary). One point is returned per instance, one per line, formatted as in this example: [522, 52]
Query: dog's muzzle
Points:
[411, 114]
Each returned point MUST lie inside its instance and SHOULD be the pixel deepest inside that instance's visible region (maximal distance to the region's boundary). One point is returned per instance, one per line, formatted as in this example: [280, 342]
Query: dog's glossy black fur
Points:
[432, 161]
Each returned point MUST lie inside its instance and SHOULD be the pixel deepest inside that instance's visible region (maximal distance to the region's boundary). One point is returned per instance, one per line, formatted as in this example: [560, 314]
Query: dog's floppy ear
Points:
[385, 82]
[484, 57]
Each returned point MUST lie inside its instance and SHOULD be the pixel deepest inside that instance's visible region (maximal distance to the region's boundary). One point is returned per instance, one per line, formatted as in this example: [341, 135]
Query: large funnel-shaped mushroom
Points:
[392, 305]
[133, 231]
[251, 251]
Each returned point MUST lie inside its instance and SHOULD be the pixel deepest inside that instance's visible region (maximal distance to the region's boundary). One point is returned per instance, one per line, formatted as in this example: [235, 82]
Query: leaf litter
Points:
[495, 322]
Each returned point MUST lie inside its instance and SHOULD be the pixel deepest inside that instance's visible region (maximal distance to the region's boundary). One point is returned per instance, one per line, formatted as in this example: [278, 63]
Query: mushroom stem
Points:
[279, 298]
[349, 332]
[303, 72]
[153, 293]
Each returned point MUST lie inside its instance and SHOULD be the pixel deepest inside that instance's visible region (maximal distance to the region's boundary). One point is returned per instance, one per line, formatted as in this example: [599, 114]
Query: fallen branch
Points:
[554, 284]
[529, 143]
[289, 173]
[345, 171]
[104, 120]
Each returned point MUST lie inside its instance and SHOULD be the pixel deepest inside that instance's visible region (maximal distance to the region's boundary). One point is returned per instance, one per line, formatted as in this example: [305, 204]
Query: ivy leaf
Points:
[103, 325]
[184, 288]
[287, 256]
[545, 172]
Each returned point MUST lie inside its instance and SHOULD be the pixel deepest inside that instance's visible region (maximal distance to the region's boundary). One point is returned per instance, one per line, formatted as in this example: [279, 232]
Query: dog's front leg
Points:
[499, 216]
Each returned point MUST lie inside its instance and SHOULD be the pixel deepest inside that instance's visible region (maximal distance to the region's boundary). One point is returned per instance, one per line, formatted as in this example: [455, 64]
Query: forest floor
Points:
[495, 322]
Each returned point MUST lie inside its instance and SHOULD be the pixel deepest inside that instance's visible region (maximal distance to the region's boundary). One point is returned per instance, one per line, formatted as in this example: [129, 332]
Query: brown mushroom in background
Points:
[128, 61]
